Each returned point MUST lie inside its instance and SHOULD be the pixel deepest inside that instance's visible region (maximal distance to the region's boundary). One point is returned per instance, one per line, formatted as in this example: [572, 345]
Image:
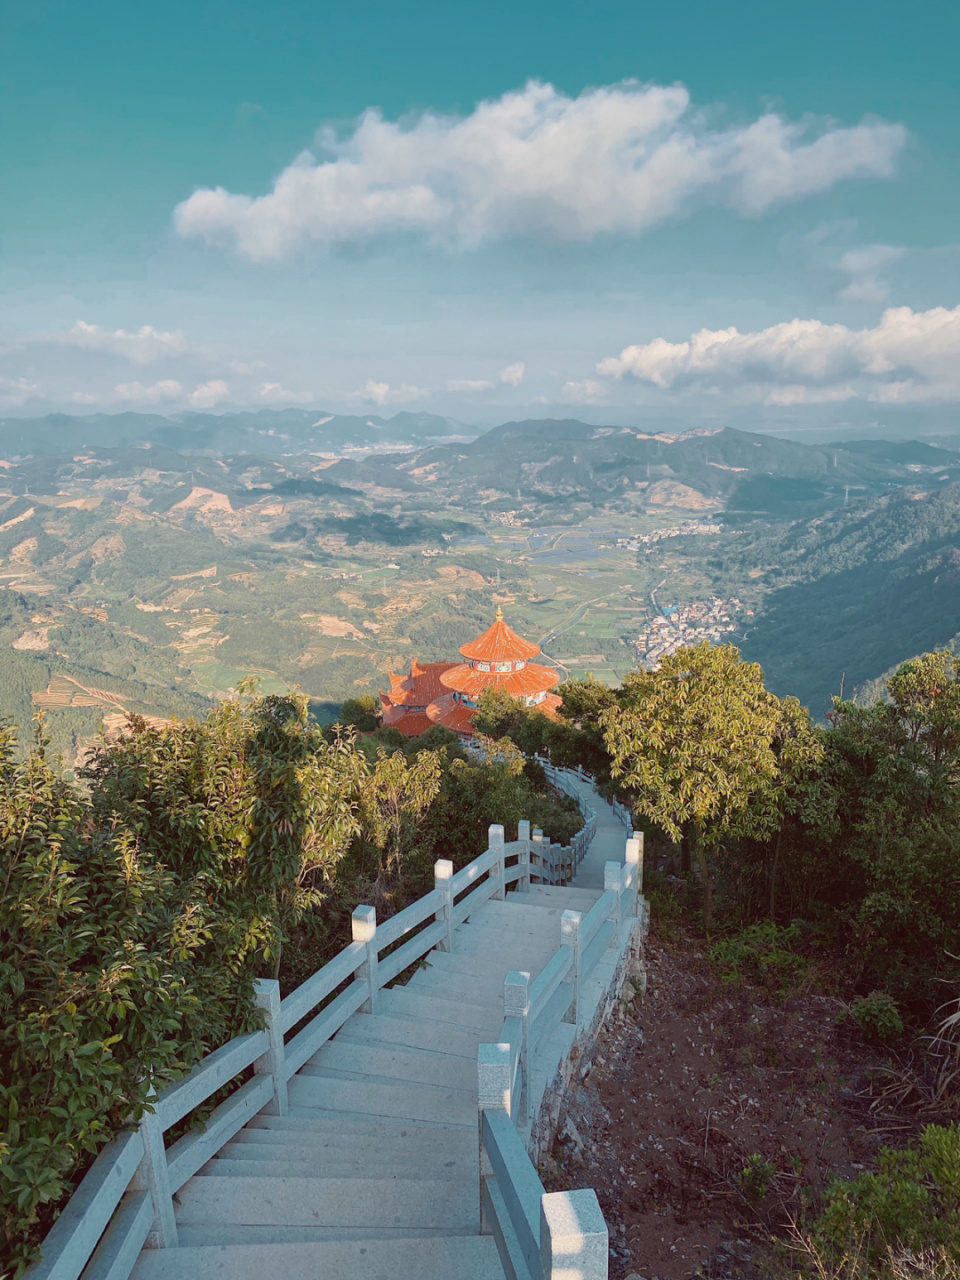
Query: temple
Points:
[447, 693]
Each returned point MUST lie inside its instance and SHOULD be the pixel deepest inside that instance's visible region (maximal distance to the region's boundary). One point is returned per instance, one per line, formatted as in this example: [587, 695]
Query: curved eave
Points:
[525, 683]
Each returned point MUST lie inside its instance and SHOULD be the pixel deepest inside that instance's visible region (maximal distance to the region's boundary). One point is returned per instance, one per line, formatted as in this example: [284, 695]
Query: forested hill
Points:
[854, 593]
[275, 431]
[571, 462]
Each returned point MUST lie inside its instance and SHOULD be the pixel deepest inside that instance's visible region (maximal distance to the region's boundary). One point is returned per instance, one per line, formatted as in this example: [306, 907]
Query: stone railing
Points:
[560, 1235]
[563, 779]
[126, 1199]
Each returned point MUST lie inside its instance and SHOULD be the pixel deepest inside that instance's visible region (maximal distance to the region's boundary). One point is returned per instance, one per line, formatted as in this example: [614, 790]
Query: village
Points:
[686, 624]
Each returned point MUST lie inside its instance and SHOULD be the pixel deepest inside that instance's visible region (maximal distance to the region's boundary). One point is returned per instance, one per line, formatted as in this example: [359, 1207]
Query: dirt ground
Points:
[709, 1116]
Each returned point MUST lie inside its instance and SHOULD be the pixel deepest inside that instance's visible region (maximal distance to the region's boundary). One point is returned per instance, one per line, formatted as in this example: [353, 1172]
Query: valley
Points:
[145, 579]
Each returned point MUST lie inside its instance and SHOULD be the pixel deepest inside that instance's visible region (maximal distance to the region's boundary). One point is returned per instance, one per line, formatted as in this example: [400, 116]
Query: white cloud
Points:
[615, 160]
[382, 393]
[909, 355]
[512, 375]
[863, 266]
[587, 392]
[209, 394]
[137, 393]
[276, 393]
[468, 385]
[204, 396]
[145, 346]
[17, 391]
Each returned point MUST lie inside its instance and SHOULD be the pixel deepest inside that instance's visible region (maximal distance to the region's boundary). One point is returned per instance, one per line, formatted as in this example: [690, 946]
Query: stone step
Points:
[381, 1061]
[444, 1204]
[410, 1144]
[479, 989]
[371, 1167]
[408, 1033]
[442, 1257]
[340, 1128]
[365, 1077]
[515, 913]
[402, 1101]
[401, 1002]
[570, 899]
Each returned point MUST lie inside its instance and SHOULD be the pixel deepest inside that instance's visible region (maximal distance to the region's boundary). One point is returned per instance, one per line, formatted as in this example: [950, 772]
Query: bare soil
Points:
[709, 1116]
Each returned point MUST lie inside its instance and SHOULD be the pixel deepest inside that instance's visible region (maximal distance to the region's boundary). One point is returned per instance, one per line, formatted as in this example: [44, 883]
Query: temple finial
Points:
[499, 614]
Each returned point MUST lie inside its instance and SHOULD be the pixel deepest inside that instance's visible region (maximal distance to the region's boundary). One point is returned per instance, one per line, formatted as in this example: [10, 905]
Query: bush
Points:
[911, 1203]
[762, 955]
[877, 1017]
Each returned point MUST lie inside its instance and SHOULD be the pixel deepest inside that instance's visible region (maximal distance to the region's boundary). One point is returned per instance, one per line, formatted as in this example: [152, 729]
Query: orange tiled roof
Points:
[410, 723]
[530, 680]
[458, 717]
[419, 688]
[499, 644]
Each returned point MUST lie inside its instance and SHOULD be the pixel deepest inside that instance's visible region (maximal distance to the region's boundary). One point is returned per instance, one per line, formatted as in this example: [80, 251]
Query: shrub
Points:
[877, 1017]
[762, 955]
[911, 1203]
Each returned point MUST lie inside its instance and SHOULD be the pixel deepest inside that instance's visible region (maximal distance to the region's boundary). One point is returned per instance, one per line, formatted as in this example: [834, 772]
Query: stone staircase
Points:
[377, 1130]
[374, 1170]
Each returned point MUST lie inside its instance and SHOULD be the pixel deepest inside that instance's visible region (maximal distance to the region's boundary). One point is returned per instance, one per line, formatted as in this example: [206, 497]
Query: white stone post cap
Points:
[364, 923]
[574, 1242]
[443, 869]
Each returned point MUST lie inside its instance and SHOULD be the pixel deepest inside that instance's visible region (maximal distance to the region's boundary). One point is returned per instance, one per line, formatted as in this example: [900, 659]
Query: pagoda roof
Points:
[419, 688]
[499, 644]
[526, 682]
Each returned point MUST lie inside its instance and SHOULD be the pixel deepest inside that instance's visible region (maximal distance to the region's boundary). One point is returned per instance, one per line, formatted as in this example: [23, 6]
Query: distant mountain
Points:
[860, 591]
[572, 463]
[270, 431]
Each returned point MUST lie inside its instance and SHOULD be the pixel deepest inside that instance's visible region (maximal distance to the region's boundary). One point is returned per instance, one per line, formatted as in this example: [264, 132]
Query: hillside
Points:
[271, 431]
[853, 594]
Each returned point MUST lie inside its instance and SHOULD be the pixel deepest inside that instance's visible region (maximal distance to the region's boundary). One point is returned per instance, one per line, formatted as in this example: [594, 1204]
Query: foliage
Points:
[763, 954]
[877, 1016]
[706, 748]
[394, 799]
[911, 1202]
[363, 714]
[113, 980]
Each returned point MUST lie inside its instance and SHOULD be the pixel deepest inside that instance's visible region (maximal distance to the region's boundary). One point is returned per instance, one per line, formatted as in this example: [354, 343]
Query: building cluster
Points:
[447, 693]
[685, 624]
[675, 531]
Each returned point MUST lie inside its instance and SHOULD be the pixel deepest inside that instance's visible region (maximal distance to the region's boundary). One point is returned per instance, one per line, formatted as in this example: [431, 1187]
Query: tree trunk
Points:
[773, 875]
[703, 866]
[685, 852]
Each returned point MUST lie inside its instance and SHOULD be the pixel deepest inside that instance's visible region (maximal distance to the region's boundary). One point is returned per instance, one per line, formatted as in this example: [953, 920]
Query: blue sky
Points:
[620, 211]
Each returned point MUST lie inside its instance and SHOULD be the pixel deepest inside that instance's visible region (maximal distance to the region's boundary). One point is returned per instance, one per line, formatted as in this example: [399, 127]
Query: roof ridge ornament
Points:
[499, 614]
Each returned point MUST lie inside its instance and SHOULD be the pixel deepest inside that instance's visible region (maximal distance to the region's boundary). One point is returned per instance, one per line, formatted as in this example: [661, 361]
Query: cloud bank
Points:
[615, 160]
[145, 346]
[908, 356]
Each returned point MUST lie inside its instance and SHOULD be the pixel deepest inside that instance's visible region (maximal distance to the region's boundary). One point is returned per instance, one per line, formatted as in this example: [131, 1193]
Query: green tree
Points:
[394, 799]
[363, 713]
[697, 741]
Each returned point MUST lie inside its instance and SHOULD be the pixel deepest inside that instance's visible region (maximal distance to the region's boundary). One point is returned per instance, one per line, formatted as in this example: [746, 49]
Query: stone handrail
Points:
[562, 1235]
[94, 1236]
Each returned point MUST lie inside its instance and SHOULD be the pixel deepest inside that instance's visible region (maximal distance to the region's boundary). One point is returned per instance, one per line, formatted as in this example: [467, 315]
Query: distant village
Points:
[685, 624]
[675, 531]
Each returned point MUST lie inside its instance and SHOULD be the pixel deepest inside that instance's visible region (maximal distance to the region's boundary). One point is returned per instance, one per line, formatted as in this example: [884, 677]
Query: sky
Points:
[619, 211]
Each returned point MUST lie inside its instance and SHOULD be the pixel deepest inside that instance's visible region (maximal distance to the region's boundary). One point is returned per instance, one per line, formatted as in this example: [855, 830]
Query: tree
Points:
[697, 741]
[363, 714]
[251, 809]
[395, 797]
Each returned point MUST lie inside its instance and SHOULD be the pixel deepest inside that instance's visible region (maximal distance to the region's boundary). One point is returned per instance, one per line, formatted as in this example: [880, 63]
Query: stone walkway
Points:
[374, 1172]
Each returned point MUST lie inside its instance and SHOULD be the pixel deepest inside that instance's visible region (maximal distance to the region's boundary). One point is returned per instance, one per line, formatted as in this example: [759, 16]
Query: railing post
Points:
[154, 1176]
[573, 1236]
[516, 1004]
[443, 880]
[493, 1094]
[497, 871]
[634, 859]
[537, 851]
[523, 836]
[570, 937]
[267, 998]
[364, 925]
[613, 882]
